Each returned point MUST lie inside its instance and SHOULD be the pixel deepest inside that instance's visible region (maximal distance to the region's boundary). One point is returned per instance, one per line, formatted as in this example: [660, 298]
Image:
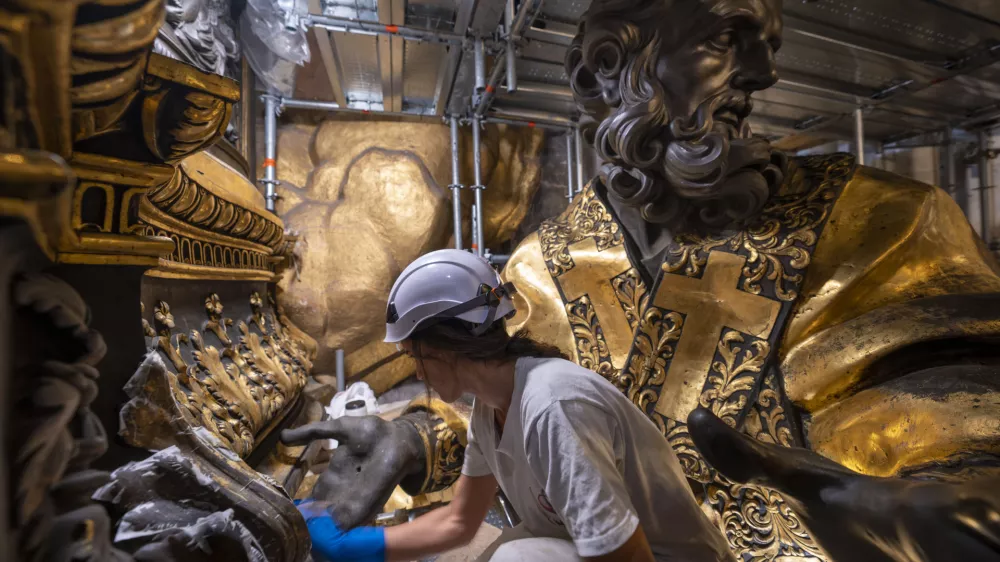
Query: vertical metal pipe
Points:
[456, 185]
[859, 135]
[472, 221]
[570, 186]
[984, 187]
[270, 150]
[341, 378]
[948, 177]
[479, 58]
[478, 241]
[578, 139]
[508, 24]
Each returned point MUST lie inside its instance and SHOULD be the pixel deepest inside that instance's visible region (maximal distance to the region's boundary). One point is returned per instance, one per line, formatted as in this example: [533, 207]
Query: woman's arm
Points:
[445, 528]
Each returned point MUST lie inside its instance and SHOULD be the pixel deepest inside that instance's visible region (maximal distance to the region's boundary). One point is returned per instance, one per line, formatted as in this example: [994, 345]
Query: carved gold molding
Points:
[184, 110]
[218, 223]
[37, 189]
[238, 391]
[210, 196]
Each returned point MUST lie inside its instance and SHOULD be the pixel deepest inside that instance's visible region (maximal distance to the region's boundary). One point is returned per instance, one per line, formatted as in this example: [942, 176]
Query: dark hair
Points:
[455, 336]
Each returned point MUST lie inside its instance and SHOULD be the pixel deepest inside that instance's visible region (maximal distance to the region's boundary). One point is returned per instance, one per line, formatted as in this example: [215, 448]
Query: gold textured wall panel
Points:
[366, 199]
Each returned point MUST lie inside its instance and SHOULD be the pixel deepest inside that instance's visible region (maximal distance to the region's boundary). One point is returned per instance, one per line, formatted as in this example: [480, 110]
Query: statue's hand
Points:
[372, 456]
[856, 517]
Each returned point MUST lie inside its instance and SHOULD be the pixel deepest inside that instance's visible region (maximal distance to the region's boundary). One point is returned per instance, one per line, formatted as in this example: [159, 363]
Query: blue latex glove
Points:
[330, 544]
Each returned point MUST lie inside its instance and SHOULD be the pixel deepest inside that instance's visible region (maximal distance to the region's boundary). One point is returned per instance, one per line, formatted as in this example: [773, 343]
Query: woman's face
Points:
[436, 368]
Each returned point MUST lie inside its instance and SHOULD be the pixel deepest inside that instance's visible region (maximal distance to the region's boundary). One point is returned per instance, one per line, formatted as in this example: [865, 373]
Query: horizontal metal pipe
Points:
[499, 259]
[546, 90]
[350, 25]
[532, 116]
[525, 123]
[333, 106]
[549, 36]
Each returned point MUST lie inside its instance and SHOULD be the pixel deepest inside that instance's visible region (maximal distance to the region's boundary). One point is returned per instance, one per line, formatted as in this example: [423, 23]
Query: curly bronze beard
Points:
[690, 169]
[685, 168]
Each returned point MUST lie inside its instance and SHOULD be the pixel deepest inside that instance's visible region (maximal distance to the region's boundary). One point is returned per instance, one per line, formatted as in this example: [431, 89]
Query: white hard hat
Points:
[446, 284]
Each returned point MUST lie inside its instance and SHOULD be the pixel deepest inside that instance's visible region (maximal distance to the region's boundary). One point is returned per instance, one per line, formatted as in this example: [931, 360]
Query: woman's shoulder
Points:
[551, 380]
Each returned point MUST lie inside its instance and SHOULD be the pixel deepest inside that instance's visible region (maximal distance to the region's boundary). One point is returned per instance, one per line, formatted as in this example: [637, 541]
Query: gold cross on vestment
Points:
[591, 275]
[710, 304]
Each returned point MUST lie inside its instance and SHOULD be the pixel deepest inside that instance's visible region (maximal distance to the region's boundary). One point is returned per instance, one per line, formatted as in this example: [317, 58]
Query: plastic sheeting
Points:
[338, 406]
[274, 41]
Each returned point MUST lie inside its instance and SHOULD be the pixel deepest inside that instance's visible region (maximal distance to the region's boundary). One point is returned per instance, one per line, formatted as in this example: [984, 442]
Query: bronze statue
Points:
[808, 303]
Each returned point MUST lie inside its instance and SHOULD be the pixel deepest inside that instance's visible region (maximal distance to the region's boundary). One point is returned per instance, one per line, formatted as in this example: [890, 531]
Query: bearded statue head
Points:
[667, 86]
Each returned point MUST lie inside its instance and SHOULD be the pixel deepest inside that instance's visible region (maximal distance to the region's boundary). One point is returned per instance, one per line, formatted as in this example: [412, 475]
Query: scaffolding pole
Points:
[456, 185]
[578, 139]
[984, 186]
[508, 24]
[859, 135]
[270, 180]
[570, 153]
[949, 162]
[477, 241]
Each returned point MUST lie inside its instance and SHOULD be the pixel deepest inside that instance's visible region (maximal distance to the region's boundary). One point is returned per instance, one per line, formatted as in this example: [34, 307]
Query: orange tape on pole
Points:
[392, 28]
[270, 162]
[489, 89]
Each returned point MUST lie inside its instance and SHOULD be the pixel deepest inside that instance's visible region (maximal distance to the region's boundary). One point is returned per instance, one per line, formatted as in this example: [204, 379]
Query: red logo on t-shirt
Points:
[548, 511]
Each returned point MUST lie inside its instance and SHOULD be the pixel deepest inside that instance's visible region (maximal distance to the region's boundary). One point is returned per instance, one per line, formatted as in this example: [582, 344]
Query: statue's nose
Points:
[758, 70]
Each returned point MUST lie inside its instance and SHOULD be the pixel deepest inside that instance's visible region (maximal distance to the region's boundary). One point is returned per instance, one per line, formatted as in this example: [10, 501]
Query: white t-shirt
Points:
[581, 462]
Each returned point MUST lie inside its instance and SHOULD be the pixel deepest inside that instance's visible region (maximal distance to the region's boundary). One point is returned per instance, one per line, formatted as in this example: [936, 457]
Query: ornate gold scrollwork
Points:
[184, 110]
[767, 420]
[591, 348]
[189, 200]
[655, 339]
[443, 432]
[787, 223]
[759, 524]
[586, 217]
[734, 377]
[218, 224]
[239, 390]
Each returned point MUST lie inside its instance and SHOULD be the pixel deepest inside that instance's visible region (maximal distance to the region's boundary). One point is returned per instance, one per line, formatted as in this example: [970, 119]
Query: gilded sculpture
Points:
[92, 123]
[805, 304]
[379, 189]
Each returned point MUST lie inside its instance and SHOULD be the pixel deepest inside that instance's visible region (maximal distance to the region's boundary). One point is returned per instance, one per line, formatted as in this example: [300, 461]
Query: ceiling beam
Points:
[864, 43]
[961, 11]
[328, 56]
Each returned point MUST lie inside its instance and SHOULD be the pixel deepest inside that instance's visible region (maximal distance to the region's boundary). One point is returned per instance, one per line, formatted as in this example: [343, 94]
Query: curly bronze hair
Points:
[668, 167]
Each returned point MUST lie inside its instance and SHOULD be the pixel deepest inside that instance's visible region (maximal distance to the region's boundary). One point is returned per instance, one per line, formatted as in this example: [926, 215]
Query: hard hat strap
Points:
[491, 299]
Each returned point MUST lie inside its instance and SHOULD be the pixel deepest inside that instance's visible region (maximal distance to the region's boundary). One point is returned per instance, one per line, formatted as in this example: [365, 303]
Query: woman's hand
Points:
[372, 456]
[330, 544]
